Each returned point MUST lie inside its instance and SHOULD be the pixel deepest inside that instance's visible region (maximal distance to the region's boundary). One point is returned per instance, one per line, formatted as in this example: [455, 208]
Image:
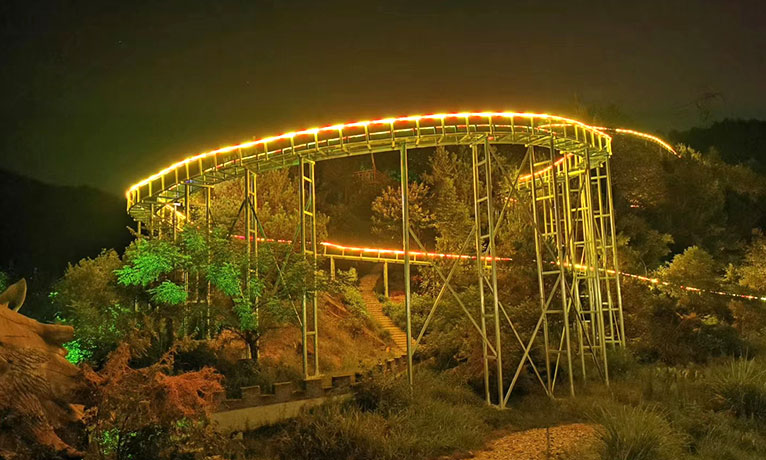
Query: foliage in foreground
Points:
[700, 412]
[386, 421]
[635, 433]
[741, 389]
[149, 413]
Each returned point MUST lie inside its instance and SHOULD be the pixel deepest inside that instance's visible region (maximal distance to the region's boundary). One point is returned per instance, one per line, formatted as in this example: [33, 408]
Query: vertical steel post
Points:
[304, 315]
[539, 260]
[493, 271]
[208, 294]
[480, 267]
[406, 246]
[571, 242]
[187, 217]
[615, 262]
[562, 270]
[152, 210]
[593, 264]
[308, 225]
[385, 280]
[314, 299]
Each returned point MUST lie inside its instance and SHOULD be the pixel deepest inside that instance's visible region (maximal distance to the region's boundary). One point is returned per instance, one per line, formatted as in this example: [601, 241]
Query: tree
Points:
[150, 413]
[450, 188]
[694, 268]
[752, 272]
[387, 211]
[102, 312]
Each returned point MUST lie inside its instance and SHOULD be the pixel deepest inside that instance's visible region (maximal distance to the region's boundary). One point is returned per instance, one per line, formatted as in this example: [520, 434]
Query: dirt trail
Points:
[375, 308]
[535, 445]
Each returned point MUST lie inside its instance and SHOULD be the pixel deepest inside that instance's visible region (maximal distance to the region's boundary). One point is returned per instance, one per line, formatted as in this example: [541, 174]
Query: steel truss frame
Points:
[570, 209]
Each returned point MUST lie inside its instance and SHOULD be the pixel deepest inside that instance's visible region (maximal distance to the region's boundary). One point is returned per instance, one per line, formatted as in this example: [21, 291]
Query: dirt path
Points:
[375, 308]
[535, 445]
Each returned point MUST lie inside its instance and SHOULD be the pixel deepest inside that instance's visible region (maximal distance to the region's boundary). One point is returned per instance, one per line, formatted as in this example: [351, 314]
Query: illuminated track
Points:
[396, 256]
[360, 138]
[564, 175]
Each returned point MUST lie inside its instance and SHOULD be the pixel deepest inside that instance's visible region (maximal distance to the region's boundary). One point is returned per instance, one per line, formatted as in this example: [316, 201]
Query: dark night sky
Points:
[103, 94]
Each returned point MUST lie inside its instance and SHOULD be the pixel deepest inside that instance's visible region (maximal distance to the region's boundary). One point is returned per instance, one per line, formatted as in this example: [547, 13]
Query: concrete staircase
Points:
[375, 308]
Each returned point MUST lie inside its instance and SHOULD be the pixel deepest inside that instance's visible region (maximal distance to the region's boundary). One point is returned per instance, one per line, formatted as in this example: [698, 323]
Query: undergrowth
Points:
[385, 420]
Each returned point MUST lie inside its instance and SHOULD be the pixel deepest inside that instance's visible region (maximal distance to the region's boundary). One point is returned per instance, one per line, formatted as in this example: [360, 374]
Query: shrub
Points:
[630, 433]
[335, 431]
[387, 419]
[355, 301]
[382, 393]
[621, 361]
[149, 413]
[741, 389]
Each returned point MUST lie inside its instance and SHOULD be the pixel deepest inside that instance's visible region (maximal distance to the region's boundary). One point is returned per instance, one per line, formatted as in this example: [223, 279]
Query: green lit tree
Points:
[102, 311]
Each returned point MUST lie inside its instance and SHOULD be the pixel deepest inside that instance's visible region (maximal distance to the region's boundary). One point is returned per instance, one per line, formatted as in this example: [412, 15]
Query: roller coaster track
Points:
[564, 175]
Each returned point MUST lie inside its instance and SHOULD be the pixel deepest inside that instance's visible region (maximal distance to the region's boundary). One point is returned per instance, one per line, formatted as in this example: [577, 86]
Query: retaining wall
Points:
[256, 408]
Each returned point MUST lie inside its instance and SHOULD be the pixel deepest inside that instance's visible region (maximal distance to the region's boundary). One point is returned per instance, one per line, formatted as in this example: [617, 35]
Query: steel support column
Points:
[208, 229]
[308, 235]
[486, 256]
[251, 240]
[406, 247]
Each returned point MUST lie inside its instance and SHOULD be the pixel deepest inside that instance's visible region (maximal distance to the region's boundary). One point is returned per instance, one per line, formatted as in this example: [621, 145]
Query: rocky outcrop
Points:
[37, 383]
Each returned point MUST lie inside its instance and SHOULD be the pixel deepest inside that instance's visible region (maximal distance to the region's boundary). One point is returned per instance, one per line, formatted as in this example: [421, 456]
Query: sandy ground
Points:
[538, 445]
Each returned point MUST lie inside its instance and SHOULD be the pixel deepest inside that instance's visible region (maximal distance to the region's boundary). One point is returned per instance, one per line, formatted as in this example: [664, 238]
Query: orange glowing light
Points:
[341, 126]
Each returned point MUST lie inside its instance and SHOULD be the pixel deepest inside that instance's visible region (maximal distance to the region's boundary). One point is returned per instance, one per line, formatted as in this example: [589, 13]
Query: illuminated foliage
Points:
[76, 353]
[169, 293]
[101, 310]
[753, 271]
[148, 260]
[149, 412]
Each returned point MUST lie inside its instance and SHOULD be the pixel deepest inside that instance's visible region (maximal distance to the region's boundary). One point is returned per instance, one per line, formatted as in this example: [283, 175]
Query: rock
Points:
[37, 384]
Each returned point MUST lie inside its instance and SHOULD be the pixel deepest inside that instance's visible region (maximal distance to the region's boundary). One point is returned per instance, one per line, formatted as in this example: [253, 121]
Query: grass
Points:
[648, 412]
[386, 420]
[741, 389]
[636, 433]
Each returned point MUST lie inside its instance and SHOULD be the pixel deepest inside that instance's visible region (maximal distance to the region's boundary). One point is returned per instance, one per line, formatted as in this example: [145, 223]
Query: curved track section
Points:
[359, 138]
[564, 176]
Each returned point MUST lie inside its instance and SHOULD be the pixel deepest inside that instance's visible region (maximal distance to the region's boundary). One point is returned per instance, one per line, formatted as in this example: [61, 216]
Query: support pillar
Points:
[307, 199]
[406, 247]
[208, 293]
[385, 280]
[486, 257]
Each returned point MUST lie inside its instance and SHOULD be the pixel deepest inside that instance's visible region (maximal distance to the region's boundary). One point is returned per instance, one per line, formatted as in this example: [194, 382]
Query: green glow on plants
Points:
[76, 353]
[168, 292]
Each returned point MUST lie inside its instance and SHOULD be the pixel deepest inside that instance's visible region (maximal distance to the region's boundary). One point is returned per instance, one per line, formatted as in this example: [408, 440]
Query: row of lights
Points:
[437, 255]
[390, 121]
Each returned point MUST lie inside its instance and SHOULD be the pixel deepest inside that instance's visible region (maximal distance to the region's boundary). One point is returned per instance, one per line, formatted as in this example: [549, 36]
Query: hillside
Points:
[45, 227]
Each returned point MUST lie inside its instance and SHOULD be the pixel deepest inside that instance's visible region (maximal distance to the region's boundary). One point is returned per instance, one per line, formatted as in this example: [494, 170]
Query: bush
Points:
[621, 361]
[386, 419]
[246, 372]
[335, 431]
[382, 393]
[149, 412]
[741, 389]
[630, 433]
[353, 298]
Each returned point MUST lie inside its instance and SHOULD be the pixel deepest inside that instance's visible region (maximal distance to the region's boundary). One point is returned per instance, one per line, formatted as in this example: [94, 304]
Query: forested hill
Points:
[736, 141]
[46, 226]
